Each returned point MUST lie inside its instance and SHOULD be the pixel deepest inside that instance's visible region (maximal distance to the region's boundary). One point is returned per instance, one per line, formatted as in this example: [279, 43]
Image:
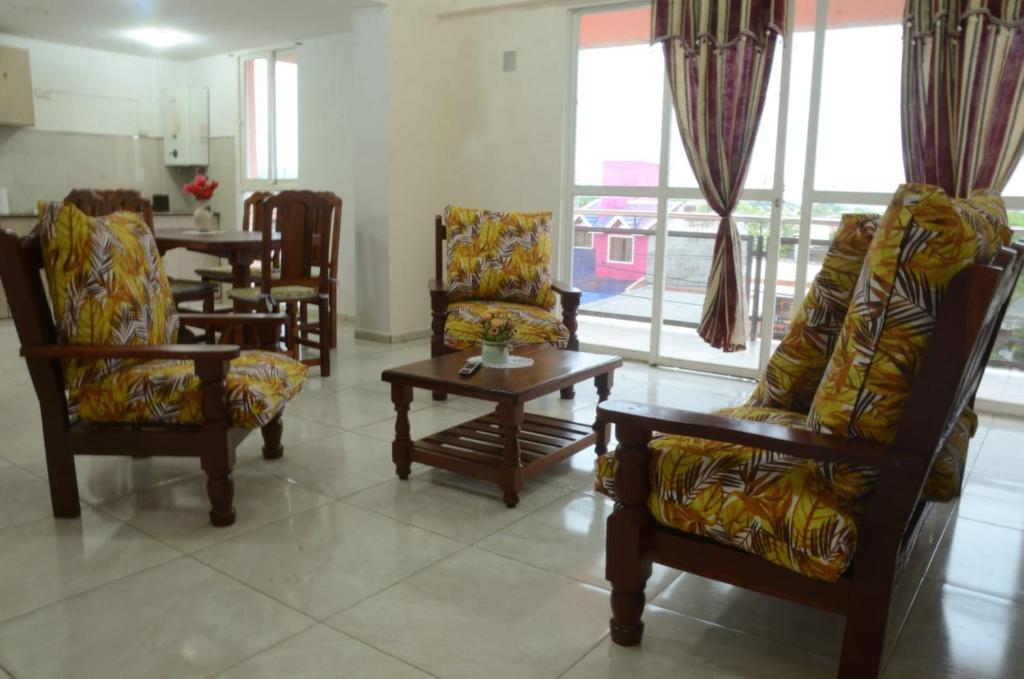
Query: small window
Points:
[620, 249]
[270, 101]
[583, 239]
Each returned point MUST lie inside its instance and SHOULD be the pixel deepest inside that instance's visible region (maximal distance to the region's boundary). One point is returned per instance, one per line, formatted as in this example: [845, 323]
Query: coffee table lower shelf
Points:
[485, 449]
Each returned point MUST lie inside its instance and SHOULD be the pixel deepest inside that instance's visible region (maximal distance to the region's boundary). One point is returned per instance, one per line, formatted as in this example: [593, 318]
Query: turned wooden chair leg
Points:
[272, 431]
[220, 489]
[439, 395]
[304, 320]
[323, 333]
[333, 316]
[627, 566]
[291, 332]
[568, 393]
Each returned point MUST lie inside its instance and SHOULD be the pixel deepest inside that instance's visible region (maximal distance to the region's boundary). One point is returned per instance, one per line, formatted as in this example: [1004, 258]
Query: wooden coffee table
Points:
[508, 445]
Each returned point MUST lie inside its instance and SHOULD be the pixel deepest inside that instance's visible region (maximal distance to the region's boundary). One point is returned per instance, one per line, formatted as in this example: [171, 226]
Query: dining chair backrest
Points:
[249, 207]
[89, 201]
[303, 221]
[99, 202]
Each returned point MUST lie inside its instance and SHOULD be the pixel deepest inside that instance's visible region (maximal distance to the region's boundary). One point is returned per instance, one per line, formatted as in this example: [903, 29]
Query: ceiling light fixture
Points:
[159, 38]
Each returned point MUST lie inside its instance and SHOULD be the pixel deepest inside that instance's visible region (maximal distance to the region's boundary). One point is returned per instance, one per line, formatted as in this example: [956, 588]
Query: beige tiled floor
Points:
[337, 568]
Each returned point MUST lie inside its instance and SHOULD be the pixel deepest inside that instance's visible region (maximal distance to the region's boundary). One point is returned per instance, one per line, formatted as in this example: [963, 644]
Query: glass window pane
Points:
[257, 119]
[1004, 377]
[859, 137]
[692, 227]
[613, 263]
[620, 81]
[1015, 187]
[286, 114]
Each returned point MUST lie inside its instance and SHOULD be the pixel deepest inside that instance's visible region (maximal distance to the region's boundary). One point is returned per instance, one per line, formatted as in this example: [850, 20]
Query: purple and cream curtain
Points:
[963, 83]
[718, 54]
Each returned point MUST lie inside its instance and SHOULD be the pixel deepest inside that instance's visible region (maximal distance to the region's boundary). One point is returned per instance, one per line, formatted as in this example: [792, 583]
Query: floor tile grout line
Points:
[4, 623]
[277, 643]
[584, 656]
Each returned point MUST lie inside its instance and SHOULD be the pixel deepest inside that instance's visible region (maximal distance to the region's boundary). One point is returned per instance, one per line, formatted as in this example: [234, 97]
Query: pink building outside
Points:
[626, 259]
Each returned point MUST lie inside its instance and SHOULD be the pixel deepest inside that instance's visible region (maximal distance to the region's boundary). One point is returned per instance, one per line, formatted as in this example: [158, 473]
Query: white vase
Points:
[204, 217]
[495, 353]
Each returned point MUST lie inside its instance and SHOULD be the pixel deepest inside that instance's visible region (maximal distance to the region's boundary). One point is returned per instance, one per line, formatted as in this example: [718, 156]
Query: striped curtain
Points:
[719, 56]
[963, 81]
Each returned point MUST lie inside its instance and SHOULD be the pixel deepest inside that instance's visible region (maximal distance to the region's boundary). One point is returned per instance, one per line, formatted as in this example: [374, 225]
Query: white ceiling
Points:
[218, 25]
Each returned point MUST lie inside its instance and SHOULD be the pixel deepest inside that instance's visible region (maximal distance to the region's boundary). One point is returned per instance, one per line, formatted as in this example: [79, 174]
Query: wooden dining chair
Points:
[309, 233]
[97, 203]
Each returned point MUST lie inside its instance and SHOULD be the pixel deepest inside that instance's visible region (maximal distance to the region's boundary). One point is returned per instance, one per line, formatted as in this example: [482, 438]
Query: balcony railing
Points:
[690, 244]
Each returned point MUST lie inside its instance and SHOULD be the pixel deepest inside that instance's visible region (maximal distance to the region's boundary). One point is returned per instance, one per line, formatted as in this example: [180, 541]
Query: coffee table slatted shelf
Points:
[542, 442]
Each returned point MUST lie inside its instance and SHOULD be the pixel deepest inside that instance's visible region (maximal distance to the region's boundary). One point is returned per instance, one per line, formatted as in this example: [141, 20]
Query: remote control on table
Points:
[470, 368]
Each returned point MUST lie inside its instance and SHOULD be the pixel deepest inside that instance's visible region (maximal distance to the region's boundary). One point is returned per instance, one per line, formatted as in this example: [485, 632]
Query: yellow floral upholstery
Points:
[534, 325]
[169, 392]
[499, 256]
[795, 369]
[107, 285]
[921, 243]
[795, 513]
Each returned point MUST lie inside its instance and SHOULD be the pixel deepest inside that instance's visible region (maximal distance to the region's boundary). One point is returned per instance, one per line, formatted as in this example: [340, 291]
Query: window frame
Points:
[624, 239]
[272, 181]
[589, 239]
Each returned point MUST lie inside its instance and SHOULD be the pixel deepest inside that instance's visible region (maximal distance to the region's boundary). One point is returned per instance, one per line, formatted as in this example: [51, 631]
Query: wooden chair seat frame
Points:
[569, 300]
[964, 335]
[213, 442]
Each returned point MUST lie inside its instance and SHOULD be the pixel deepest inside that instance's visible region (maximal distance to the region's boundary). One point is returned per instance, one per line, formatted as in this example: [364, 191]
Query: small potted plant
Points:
[496, 331]
[202, 189]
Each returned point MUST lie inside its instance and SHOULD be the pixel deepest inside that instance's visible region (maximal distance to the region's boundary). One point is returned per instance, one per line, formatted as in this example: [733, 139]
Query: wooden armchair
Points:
[96, 203]
[445, 339]
[201, 400]
[952, 367]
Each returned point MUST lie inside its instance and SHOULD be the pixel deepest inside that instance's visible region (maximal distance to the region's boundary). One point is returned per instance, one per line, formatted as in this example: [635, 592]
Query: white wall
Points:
[372, 158]
[85, 90]
[326, 140]
[462, 131]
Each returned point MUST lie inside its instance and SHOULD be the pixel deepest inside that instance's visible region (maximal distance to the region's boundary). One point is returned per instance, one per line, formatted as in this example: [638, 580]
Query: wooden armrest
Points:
[563, 288]
[795, 442]
[219, 352]
[218, 320]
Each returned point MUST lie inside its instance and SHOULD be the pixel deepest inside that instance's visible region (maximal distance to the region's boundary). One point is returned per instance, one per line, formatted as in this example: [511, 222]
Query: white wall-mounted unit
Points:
[186, 122]
[17, 106]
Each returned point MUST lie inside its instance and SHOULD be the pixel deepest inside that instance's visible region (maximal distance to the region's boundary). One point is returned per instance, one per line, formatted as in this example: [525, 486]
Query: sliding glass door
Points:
[639, 235]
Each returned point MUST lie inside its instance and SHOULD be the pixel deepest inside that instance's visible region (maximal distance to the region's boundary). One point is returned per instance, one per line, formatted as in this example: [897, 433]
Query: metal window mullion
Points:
[661, 229]
[811, 156]
[272, 117]
[778, 188]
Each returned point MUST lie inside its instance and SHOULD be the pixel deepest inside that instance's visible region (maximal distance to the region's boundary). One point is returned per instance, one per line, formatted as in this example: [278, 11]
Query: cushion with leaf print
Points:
[499, 256]
[795, 368]
[922, 242]
[107, 286]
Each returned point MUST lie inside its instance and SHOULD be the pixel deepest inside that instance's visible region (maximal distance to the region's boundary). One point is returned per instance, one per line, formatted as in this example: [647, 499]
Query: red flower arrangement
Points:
[201, 187]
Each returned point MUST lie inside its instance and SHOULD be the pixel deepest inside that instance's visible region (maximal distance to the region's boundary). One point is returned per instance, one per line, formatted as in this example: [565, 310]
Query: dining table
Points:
[240, 248]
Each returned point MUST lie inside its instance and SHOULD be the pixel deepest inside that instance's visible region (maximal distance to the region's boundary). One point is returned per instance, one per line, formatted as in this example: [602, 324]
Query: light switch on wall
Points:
[508, 61]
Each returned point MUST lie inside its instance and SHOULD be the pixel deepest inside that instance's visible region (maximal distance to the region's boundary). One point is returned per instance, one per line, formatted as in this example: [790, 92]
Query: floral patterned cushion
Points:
[168, 392]
[107, 285]
[462, 328]
[922, 242]
[795, 513]
[499, 256]
[795, 369]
